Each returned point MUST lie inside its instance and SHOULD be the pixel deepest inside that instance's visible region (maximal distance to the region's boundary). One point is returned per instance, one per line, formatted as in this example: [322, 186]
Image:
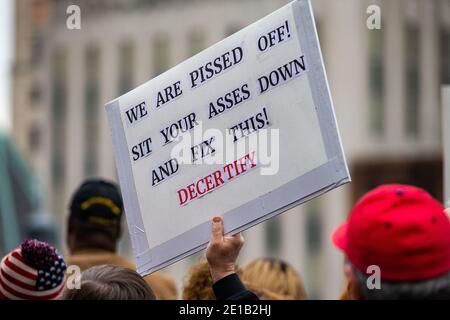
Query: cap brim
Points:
[339, 237]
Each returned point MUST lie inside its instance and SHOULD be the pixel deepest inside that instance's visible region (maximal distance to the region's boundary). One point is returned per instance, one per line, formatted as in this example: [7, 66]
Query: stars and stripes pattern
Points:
[20, 281]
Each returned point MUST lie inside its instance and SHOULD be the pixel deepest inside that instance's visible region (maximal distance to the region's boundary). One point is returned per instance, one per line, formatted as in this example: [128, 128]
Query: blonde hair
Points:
[275, 278]
[198, 282]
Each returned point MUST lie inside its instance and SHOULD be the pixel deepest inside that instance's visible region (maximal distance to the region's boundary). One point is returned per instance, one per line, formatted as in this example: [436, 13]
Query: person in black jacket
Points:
[221, 253]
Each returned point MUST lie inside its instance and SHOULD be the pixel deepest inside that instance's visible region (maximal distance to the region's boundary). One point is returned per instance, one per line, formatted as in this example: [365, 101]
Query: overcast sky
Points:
[6, 47]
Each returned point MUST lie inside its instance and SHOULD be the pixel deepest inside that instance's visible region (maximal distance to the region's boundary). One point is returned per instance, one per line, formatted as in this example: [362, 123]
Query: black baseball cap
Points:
[97, 201]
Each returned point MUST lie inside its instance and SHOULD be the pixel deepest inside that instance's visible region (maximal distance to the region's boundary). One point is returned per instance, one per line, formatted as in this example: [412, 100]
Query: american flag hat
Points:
[34, 271]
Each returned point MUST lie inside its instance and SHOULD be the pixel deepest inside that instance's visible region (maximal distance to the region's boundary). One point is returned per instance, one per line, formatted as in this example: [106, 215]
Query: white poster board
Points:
[445, 92]
[261, 92]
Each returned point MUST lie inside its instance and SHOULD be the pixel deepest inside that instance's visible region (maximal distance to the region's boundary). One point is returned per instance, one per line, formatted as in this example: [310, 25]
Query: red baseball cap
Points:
[400, 228]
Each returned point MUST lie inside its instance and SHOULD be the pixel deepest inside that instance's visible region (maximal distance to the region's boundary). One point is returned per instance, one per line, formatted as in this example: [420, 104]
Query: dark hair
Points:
[95, 216]
[109, 282]
[81, 235]
[437, 288]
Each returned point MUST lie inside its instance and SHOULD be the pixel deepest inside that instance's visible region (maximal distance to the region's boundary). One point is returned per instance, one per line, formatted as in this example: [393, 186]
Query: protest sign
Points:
[445, 91]
[244, 129]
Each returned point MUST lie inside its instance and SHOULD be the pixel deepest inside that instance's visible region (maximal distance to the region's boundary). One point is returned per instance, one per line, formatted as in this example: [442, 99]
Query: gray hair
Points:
[435, 288]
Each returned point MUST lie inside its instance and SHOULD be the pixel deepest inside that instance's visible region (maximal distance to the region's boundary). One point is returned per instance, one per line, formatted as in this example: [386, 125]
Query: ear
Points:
[354, 290]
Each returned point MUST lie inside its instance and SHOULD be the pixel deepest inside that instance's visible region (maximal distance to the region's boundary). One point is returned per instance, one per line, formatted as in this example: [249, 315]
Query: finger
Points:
[217, 229]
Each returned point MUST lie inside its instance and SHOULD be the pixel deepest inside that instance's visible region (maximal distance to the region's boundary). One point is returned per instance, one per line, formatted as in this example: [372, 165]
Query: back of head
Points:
[163, 285]
[436, 288]
[276, 276]
[33, 271]
[109, 282]
[265, 294]
[96, 209]
[198, 282]
[403, 232]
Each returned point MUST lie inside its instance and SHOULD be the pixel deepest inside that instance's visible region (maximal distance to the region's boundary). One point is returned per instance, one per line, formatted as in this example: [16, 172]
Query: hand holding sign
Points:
[195, 140]
[222, 251]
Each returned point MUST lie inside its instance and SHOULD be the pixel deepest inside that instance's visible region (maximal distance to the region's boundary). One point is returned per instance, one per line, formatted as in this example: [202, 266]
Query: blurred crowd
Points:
[396, 244]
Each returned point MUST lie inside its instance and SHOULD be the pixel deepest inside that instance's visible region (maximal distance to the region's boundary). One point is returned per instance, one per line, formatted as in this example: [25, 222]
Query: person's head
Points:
[95, 216]
[163, 285]
[198, 282]
[401, 235]
[110, 282]
[34, 271]
[275, 276]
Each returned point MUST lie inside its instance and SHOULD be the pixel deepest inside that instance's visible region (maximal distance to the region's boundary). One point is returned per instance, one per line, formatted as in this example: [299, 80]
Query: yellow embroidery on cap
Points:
[102, 221]
[102, 201]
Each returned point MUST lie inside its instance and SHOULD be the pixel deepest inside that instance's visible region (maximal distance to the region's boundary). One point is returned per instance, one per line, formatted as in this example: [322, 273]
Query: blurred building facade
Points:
[385, 86]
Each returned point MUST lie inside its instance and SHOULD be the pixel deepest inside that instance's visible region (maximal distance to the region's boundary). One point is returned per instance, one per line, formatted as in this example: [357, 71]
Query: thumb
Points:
[217, 229]
[238, 238]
